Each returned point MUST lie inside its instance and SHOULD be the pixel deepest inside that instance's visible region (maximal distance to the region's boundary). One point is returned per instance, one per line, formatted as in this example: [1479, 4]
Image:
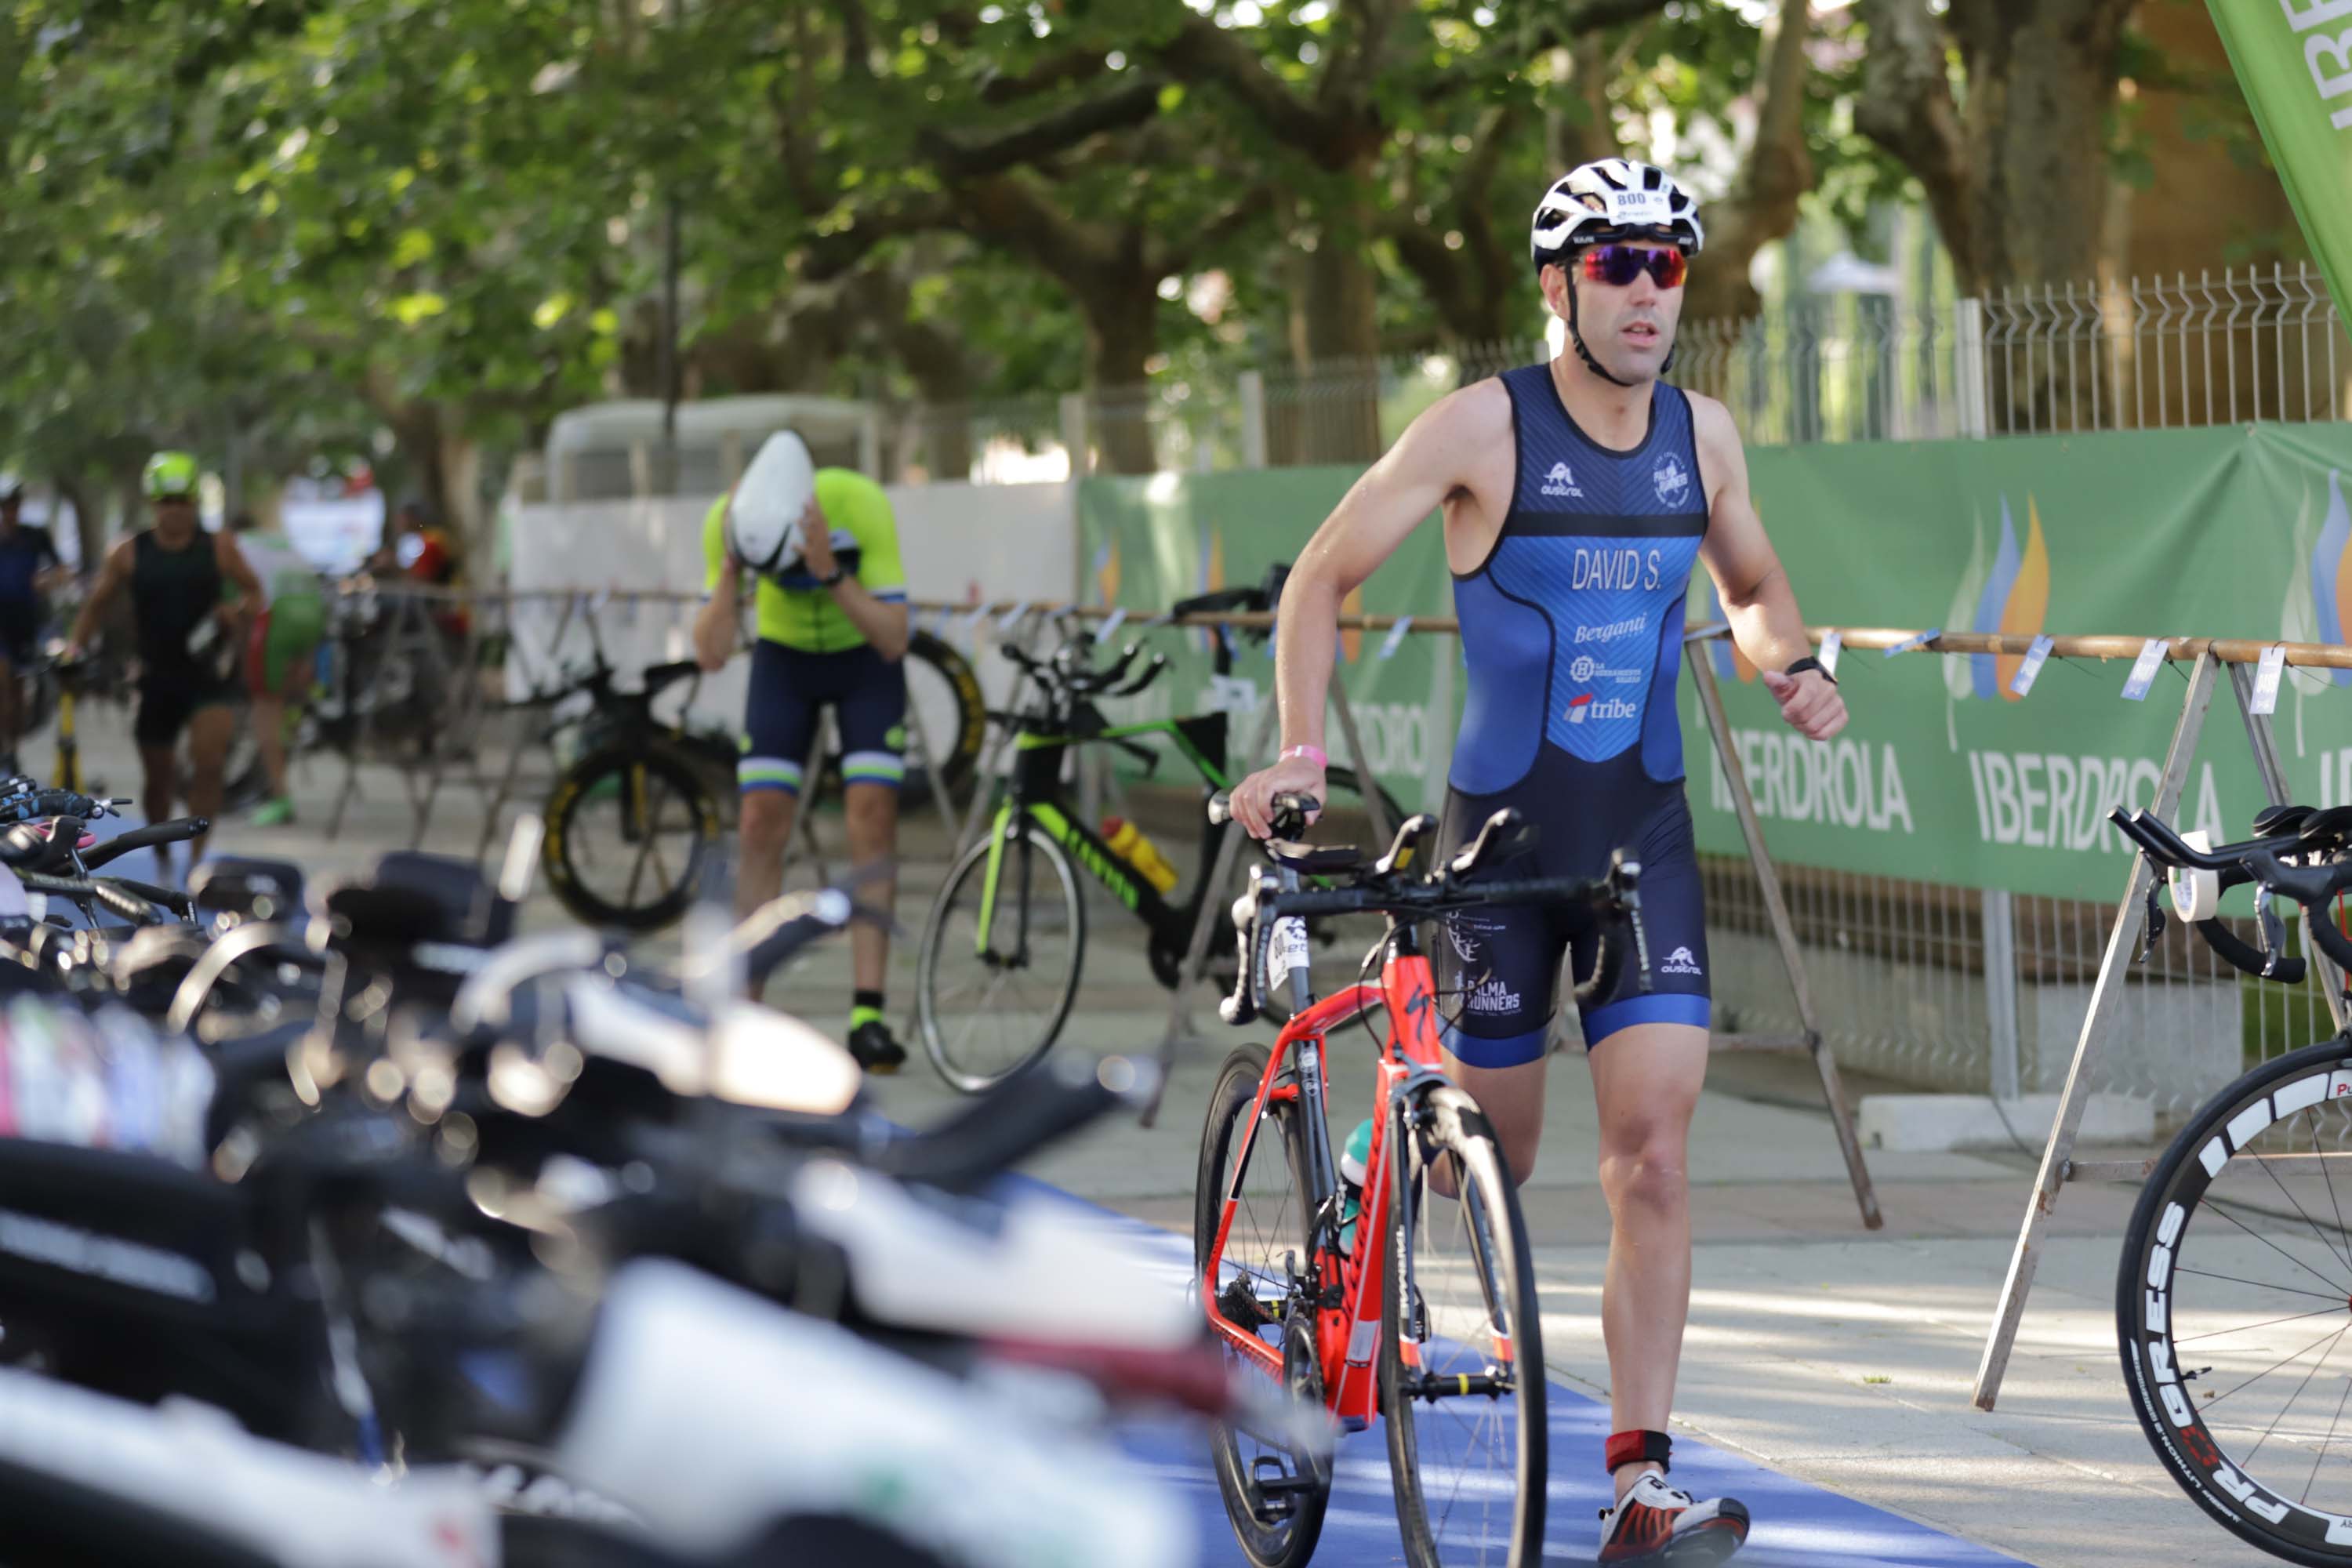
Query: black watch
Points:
[1810, 662]
[839, 571]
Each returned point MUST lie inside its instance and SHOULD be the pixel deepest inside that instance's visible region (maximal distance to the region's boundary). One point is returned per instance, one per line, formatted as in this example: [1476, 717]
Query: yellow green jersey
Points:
[795, 610]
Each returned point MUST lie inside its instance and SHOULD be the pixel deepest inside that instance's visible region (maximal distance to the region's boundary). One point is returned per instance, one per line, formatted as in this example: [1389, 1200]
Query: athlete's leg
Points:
[871, 712]
[210, 730]
[1645, 1082]
[778, 721]
[870, 814]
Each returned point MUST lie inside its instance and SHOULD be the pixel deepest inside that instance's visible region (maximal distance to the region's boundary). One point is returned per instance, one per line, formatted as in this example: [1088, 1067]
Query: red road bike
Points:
[1422, 1307]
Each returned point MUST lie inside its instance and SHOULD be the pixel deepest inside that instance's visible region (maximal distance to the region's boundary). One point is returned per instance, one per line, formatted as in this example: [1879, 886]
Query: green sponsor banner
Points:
[1945, 774]
[2294, 58]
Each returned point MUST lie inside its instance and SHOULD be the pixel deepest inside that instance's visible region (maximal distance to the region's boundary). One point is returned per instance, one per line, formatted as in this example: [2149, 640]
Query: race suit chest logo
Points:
[1584, 667]
[1561, 484]
[1680, 962]
[1672, 479]
[1633, 625]
[1579, 709]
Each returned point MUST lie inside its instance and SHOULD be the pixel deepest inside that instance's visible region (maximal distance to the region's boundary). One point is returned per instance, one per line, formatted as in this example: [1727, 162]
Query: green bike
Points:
[1003, 948]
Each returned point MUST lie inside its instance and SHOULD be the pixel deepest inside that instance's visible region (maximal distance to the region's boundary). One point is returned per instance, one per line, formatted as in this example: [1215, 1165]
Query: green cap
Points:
[170, 474]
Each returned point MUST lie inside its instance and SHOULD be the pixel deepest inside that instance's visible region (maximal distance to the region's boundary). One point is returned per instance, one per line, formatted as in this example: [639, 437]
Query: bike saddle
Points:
[1314, 859]
[247, 886]
[2325, 829]
[1506, 836]
[456, 888]
[660, 677]
[2274, 820]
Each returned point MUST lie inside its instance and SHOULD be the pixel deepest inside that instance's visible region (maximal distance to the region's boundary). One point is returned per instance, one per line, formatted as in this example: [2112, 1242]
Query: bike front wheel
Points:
[629, 833]
[2234, 1308]
[998, 966]
[1461, 1367]
[1274, 1495]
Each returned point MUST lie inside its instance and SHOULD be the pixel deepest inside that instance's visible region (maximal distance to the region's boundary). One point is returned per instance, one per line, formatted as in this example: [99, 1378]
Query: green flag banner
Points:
[1945, 774]
[2294, 58]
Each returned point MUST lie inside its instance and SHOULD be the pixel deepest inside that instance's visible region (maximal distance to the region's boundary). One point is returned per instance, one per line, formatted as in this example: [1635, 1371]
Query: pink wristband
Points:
[1315, 754]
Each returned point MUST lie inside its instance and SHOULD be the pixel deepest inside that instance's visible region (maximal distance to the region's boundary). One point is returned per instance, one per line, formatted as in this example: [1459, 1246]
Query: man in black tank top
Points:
[1576, 496]
[190, 593]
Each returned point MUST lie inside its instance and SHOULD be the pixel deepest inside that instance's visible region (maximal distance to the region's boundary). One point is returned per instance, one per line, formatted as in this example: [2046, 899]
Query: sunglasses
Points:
[1619, 265]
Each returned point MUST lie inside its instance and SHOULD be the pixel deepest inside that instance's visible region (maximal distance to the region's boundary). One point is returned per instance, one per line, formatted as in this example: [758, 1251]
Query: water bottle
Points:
[1353, 1160]
[1127, 841]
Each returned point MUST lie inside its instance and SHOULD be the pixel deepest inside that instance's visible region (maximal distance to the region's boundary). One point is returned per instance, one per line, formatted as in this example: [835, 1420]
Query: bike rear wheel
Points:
[2234, 1308]
[1461, 1368]
[1274, 1497]
[629, 833]
[987, 1008]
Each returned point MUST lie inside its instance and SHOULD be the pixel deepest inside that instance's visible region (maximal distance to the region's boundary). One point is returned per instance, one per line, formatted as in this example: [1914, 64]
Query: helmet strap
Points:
[1577, 337]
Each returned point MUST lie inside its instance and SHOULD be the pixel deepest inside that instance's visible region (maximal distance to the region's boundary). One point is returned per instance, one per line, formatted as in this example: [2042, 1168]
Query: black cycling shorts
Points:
[866, 692]
[1498, 969]
[166, 705]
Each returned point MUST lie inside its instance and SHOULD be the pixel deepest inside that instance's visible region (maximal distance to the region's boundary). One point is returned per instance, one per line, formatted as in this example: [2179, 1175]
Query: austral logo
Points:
[1560, 483]
[1579, 709]
[1672, 479]
[1679, 961]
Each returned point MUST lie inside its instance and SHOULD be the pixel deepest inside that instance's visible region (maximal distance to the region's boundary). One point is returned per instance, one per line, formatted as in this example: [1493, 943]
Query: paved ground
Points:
[1835, 1356]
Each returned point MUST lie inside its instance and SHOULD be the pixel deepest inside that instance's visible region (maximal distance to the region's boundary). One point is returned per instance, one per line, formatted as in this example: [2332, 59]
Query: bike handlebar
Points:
[2254, 860]
[176, 831]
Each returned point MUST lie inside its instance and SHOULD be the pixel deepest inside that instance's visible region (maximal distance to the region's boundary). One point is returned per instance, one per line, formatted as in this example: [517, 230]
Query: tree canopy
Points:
[270, 228]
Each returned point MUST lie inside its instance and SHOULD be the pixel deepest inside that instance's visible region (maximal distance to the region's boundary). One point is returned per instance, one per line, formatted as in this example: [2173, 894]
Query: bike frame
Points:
[1348, 1325]
[1171, 924]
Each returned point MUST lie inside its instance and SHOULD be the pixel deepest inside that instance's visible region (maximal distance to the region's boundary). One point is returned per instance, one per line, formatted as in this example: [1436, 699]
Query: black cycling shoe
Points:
[876, 1051]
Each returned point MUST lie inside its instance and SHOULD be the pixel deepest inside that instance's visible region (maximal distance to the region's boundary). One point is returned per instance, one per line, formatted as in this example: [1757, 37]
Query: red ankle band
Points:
[1640, 1449]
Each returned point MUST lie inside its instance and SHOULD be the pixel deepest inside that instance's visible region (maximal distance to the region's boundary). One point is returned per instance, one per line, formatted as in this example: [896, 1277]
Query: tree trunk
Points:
[1122, 335]
[2041, 82]
[1333, 413]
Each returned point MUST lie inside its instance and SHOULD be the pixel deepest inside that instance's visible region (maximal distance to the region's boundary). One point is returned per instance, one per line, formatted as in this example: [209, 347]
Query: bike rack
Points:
[2059, 1166]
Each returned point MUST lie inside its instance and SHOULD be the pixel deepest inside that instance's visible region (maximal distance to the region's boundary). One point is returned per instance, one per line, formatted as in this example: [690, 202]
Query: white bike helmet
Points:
[1603, 202]
[763, 518]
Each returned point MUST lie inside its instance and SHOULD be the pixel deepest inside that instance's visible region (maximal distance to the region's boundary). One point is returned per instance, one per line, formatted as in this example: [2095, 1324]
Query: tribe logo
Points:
[1672, 479]
[2319, 593]
[1560, 483]
[2010, 595]
[1584, 667]
[1579, 709]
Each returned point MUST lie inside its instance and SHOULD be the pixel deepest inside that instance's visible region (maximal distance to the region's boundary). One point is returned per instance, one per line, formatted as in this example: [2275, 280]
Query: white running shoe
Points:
[1654, 1524]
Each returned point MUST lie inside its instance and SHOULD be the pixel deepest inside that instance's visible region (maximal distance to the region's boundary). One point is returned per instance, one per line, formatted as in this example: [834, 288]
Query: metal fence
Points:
[2246, 345]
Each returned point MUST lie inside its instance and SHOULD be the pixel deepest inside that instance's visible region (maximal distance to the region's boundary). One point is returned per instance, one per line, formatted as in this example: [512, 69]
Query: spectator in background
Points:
[29, 569]
[278, 651]
[424, 551]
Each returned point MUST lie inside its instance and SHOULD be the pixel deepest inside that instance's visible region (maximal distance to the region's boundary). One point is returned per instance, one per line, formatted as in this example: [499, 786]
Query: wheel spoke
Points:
[2273, 1322]
[2257, 1284]
[2219, 1208]
[2277, 1364]
[2335, 1421]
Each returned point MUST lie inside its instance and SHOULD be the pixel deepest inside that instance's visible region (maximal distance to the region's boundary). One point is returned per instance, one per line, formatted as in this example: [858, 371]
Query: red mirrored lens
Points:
[1619, 265]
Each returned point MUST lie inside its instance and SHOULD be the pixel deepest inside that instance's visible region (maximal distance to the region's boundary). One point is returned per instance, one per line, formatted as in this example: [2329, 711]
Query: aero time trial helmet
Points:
[764, 517]
[172, 475]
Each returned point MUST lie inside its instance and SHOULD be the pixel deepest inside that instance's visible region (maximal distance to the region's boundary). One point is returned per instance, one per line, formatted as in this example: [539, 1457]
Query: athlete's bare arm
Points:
[1435, 464]
[111, 575]
[1756, 594]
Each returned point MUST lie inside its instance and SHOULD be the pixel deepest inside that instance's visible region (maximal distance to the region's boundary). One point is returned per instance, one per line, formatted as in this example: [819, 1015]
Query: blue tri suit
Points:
[1572, 629]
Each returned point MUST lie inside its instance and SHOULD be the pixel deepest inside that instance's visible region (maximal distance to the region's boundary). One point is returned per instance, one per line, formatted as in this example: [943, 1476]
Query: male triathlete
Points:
[830, 633]
[190, 594]
[1576, 496]
[28, 568]
[279, 650]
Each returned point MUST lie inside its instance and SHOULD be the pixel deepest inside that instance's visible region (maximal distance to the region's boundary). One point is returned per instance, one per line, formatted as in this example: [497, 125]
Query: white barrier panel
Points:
[966, 543]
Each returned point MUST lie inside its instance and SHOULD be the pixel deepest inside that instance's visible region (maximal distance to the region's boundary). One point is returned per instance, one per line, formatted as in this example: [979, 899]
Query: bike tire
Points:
[2273, 1108]
[1290, 1539]
[953, 1052]
[579, 789]
[1450, 1124]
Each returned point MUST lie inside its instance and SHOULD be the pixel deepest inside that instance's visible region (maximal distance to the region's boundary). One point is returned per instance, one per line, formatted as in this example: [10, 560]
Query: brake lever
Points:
[2152, 929]
[2273, 929]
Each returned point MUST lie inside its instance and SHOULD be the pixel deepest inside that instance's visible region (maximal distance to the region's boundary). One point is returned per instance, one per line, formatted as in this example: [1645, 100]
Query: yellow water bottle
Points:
[1127, 841]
